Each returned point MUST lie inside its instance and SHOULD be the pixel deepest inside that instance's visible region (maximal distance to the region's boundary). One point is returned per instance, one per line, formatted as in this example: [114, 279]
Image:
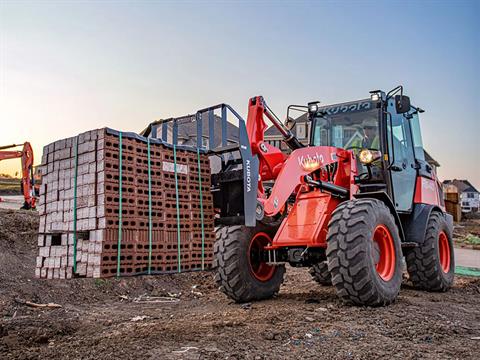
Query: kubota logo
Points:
[248, 178]
[313, 162]
[310, 163]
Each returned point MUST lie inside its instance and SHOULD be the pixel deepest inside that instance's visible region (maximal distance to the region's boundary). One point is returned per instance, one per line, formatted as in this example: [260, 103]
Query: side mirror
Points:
[290, 123]
[402, 104]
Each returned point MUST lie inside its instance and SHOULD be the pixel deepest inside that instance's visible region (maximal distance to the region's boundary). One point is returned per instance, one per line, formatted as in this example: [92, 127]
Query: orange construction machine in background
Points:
[28, 181]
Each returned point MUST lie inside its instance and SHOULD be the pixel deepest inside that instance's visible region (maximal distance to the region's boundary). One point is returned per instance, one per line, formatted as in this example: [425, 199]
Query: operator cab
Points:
[384, 134]
[352, 126]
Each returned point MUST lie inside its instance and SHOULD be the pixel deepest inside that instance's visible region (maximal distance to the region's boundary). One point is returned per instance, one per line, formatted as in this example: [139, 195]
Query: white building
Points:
[469, 196]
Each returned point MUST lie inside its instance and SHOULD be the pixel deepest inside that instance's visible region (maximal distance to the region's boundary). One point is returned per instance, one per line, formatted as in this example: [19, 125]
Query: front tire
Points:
[240, 272]
[364, 253]
[431, 265]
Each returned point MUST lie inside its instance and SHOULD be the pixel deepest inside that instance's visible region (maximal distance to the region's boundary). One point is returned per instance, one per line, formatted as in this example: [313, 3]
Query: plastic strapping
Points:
[149, 209]
[178, 207]
[75, 208]
[119, 243]
[201, 208]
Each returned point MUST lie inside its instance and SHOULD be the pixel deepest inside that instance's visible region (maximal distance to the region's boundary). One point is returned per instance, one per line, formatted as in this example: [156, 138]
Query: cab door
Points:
[402, 159]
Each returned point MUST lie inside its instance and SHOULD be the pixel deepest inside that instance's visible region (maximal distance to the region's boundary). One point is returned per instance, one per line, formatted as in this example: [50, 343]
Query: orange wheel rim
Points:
[384, 255]
[444, 251]
[259, 268]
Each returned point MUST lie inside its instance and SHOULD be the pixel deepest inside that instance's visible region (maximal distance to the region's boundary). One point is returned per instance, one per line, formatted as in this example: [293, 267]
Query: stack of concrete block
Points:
[80, 213]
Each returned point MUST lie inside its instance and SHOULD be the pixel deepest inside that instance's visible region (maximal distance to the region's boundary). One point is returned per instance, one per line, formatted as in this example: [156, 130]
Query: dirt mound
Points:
[18, 226]
[18, 251]
[18, 230]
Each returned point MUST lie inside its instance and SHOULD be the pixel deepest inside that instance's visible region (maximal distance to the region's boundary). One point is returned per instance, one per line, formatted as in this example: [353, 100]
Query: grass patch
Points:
[472, 239]
[467, 271]
[100, 282]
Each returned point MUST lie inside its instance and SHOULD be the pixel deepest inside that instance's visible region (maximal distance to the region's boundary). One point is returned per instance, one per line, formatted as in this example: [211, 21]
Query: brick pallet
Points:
[86, 231]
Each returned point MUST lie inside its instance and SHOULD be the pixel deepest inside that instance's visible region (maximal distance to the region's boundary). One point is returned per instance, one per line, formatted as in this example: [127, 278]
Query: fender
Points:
[416, 223]
[383, 196]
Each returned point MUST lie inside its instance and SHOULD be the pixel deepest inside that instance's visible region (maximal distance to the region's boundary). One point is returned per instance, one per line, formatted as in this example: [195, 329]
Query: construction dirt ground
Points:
[185, 316]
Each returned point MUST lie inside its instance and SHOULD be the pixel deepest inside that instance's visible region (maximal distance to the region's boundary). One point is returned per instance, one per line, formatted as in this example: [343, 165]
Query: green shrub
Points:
[472, 239]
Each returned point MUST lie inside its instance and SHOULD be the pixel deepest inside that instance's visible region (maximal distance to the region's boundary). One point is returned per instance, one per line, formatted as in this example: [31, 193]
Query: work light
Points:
[367, 156]
[313, 107]
[376, 95]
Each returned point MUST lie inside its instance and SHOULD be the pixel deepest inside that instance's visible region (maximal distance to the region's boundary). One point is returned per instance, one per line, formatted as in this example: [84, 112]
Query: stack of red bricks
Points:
[80, 222]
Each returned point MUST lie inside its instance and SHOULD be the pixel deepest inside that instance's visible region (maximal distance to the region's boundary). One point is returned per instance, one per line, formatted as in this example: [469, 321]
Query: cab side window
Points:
[402, 143]
[417, 138]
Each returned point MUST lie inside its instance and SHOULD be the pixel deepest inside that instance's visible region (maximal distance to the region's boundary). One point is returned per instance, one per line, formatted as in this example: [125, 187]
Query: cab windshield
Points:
[347, 129]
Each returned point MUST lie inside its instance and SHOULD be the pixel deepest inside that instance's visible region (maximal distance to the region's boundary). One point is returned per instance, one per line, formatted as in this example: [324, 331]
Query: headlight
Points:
[366, 156]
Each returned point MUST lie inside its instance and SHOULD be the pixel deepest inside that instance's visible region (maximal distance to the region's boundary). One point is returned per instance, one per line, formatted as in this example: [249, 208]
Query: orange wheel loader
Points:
[349, 205]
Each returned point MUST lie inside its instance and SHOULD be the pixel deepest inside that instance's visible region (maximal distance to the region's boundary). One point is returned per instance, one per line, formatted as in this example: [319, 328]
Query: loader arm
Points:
[271, 159]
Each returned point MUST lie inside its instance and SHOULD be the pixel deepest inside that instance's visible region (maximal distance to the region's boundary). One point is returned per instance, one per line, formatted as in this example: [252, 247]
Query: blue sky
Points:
[69, 66]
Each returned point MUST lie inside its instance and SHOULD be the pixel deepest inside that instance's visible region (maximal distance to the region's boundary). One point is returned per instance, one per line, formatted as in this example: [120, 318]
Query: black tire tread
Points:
[347, 251]
[422, 261]
[231, 275]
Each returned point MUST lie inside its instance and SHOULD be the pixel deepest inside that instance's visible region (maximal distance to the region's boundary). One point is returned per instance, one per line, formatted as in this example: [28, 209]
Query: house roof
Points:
[273, 131]
[461, 185]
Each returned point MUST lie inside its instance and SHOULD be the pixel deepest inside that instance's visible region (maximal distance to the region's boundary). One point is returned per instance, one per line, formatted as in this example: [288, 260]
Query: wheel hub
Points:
[383, 252]
[444, 252]
[260, 270]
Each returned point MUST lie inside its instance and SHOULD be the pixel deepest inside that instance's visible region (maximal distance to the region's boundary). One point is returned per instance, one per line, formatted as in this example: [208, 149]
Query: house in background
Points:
[469, 196]
[301, 130]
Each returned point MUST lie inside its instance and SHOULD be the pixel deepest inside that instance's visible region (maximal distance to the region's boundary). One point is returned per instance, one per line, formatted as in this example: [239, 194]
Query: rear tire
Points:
[321, 274]
[364, 253]
[431, 265]
[239, 272]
